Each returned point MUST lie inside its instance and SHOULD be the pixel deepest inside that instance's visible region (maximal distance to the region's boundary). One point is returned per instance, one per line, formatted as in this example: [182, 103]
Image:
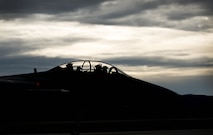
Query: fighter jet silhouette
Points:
[94, 96]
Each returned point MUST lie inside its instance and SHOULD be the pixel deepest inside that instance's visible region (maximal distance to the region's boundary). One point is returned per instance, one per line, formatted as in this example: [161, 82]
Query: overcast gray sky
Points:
[167, 42]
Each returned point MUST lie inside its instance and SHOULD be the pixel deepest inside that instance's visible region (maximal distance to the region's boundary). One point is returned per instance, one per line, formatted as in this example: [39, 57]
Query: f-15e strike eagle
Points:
[93, 96]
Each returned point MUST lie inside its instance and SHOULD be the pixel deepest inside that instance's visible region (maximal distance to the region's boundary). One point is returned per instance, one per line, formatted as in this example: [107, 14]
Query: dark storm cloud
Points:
[205, 5]
[191, 15]
[163, 62]
[13, 8]
[44, 6]
[19, 8]
[135, 7]
[208, 4]
[163, 13]
[131, 8]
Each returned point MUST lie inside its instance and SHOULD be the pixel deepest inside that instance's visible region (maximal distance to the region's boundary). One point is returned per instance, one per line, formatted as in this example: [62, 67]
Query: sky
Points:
[165, 42]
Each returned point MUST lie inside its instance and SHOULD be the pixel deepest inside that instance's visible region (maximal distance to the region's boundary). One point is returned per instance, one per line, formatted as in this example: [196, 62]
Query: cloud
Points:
[41, 6]
[174, 14]
[206, 4]
[124, 6]
[10, 48]
[180, 14]
[73, 39]
[163, 62]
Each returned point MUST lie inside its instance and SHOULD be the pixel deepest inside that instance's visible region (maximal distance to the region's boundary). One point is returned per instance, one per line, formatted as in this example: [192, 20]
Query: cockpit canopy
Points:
[88, 66]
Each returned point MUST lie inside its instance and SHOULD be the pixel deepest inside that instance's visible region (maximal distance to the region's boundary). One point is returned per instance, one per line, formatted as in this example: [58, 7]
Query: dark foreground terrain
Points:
[156, 132]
